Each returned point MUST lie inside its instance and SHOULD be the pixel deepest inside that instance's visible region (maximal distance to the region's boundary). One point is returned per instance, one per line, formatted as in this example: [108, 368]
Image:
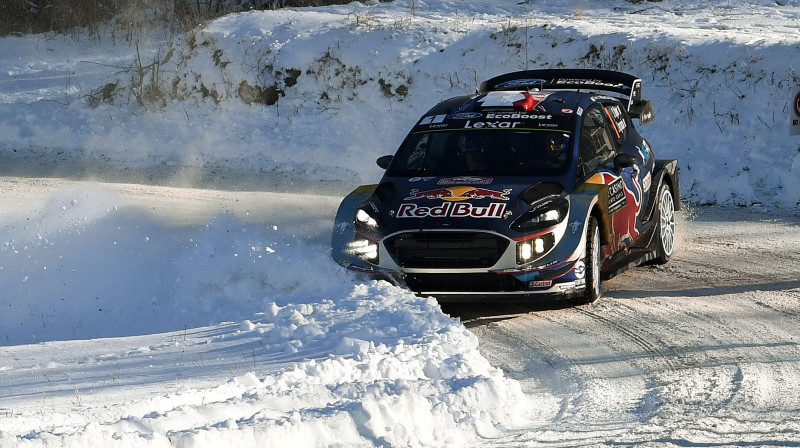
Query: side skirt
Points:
[638, 257]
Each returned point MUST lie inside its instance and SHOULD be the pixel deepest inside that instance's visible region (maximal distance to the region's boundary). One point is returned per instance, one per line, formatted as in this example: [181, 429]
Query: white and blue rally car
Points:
[537, 185]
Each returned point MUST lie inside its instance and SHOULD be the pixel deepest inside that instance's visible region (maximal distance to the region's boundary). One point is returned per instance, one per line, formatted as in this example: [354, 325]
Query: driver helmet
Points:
[556, 143]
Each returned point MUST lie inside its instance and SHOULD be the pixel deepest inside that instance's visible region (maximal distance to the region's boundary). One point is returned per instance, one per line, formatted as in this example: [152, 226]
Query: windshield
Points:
[484, 152]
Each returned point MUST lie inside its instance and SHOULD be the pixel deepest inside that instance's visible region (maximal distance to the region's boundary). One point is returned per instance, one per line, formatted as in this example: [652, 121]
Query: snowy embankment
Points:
[157, 330]
[122, 328]
[318, 94]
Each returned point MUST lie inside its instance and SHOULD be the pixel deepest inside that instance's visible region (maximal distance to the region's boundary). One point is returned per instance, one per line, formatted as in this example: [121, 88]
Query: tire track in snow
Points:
[711, 339]
[631, 334]
[562, 362]
[556, 380]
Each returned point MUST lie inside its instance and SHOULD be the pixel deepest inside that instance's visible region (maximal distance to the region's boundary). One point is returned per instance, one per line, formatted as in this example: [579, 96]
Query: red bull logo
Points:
[450, 210]
[459, 193]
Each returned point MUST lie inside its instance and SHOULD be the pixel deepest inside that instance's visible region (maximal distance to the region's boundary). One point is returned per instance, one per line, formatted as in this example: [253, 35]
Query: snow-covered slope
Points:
[345, 83]
[142, 316]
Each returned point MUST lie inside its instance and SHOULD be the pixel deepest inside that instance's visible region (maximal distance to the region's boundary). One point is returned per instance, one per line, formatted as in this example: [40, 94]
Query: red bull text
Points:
[452, 210]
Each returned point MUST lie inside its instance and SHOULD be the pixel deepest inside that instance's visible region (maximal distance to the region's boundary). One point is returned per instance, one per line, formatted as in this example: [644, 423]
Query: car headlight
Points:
[546, 215]
[368, 233]
[364, 249]
[533, 248]
[364, 218]
[367, 221]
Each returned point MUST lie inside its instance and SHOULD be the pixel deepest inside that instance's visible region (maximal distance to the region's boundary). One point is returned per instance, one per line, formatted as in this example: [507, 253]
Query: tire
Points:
[592, 290]
[665, 245]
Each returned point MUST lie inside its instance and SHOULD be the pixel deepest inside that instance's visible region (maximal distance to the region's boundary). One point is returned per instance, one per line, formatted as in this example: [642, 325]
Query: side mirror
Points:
[622, 161]
[384, 161]
[643, 110]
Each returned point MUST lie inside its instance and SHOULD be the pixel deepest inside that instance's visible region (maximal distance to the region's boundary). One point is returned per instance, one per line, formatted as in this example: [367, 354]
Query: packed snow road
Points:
[703, 351]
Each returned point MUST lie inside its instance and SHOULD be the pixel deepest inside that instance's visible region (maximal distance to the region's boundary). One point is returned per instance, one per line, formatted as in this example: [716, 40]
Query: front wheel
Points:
[666, 225]
[592, 262]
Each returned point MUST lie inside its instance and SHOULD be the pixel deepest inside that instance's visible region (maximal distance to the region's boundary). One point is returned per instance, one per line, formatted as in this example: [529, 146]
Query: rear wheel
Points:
[592, 264]
[666, 225]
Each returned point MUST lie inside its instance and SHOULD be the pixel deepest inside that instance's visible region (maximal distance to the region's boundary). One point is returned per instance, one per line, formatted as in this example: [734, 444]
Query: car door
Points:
[601, 140]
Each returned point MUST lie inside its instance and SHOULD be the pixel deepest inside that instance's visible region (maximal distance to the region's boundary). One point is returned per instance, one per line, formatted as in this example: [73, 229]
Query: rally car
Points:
[538, 184]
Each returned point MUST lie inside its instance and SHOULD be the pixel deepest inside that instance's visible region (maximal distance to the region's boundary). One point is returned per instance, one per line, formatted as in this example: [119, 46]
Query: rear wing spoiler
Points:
[577, 79]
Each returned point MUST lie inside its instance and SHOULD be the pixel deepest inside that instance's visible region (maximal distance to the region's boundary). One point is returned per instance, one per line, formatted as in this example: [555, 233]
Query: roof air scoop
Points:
[516, 100]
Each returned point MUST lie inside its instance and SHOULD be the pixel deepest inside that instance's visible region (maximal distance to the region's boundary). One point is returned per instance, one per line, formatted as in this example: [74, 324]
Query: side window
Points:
[416, 154]
[598, 142]
[420, 152]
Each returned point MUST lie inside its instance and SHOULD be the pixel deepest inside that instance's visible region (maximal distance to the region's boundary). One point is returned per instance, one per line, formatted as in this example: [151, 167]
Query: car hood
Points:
[452, 203]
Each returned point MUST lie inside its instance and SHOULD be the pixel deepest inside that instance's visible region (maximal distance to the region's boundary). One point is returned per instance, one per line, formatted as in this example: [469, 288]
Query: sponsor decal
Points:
[432, 119]
[580, 111]
[492, 124]
[567, 111]
[548, 125]
[614, 123]
[567, 286]
[797, 104]
[616, 196]
[794, 128]
[541, 284]
[622, 125]
[459, 193]
[342, 226]
[580, 269]
[451, 210]
[575, 226]
[589, 82]
[439, 126]
[644, 151]
[374, 207]
[465, 180]
[546, 265]
[519, 83]
[465, 116]
[421, 179]
[618, 118]
[624, 207]
[464, 106]
[516, 116]
[646, 182]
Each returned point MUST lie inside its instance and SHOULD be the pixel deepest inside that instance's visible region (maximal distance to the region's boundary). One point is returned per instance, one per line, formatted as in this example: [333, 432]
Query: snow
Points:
[126, 327]
[155, 323]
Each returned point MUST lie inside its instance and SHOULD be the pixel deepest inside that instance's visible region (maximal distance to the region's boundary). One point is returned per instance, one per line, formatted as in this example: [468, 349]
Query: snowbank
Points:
[121, 302]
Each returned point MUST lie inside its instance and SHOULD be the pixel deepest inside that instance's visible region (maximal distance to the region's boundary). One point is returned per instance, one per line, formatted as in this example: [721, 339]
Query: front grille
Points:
[446, 250]
[463, 283]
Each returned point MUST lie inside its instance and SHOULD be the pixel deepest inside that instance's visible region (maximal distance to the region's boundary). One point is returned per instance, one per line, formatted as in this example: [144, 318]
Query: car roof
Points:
[559, 103]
